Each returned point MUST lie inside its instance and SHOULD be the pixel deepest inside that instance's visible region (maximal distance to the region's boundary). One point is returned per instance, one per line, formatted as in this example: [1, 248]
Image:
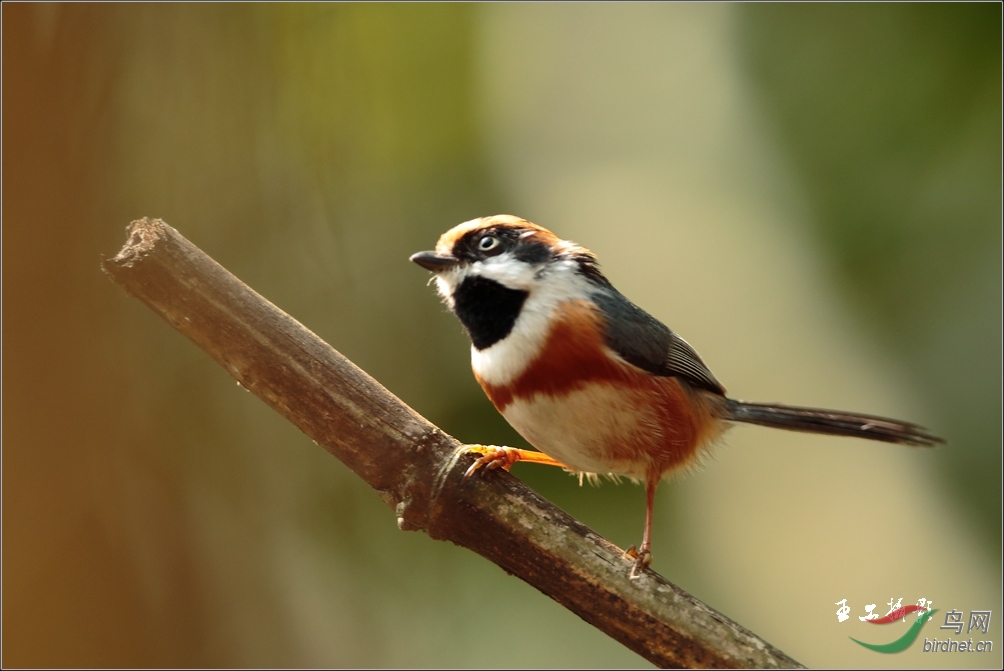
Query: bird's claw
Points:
[642, 560]
[492, 457]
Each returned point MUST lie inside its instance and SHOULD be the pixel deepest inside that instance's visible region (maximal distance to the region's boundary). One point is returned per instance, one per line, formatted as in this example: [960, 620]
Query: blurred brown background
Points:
[810, 194]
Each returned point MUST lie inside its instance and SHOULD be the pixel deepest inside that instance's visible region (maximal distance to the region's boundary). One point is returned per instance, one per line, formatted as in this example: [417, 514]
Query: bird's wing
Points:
[644, 341]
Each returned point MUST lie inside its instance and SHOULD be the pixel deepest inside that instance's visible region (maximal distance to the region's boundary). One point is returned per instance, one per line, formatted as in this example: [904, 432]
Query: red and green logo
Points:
[907, 639]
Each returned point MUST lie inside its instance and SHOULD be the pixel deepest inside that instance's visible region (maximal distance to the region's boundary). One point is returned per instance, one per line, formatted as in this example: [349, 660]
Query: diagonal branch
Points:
[413, 465]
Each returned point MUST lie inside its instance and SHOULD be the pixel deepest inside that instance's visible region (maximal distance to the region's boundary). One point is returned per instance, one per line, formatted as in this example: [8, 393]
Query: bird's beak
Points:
[434, 262]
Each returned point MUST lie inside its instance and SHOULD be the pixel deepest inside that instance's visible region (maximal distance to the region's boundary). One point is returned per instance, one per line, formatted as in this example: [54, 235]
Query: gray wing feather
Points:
[644, 341]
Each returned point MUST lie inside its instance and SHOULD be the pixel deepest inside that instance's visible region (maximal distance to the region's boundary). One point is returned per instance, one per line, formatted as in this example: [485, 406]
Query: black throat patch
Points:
[487, 309]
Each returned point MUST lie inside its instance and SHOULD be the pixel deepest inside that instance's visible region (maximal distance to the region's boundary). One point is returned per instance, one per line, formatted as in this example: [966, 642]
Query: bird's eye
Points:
[488, 243]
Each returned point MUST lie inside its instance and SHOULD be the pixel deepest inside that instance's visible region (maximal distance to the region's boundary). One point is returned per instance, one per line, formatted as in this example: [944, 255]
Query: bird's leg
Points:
[643, 555]
[493, 456]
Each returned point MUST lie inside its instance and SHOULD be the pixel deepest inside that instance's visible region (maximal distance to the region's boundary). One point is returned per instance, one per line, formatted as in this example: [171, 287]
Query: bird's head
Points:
[491, 270]
[513, 253]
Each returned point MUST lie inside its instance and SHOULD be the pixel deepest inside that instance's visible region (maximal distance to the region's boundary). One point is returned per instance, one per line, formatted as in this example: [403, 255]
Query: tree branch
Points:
[413, 465]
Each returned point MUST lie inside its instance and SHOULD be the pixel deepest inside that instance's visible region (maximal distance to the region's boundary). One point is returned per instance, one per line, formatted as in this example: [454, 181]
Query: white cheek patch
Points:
[504, 269]
[446, 283]
[507, 271]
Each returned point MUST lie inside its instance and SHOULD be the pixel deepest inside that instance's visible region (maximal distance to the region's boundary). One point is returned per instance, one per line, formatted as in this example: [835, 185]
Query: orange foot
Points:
[493, 456]
[642, 559]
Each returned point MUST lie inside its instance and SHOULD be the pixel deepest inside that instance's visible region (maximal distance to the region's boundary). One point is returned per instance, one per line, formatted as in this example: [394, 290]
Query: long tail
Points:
[834, 422]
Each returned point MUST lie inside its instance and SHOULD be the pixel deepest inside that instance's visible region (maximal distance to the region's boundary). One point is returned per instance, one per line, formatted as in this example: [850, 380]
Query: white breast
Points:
[616, 418]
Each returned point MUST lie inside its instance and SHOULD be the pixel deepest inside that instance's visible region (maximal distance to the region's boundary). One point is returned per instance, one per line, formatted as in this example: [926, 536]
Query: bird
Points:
[593, 382]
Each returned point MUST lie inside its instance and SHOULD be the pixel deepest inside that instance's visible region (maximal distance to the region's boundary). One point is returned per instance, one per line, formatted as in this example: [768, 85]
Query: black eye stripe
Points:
[524, 248]
[532, 252]
[469, 246]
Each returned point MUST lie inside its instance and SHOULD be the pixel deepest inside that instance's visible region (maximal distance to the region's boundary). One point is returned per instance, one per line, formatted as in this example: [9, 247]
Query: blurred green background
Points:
[810, 194]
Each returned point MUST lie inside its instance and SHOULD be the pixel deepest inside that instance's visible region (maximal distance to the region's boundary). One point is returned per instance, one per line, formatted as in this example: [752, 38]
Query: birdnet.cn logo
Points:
[952, 639]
